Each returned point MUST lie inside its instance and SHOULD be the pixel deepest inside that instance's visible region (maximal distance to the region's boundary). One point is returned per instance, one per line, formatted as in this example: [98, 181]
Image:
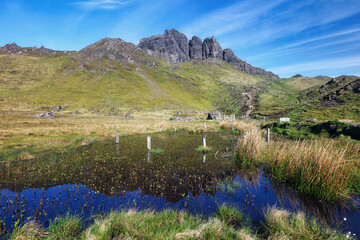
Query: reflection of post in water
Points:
[117, 149]
[204, 159]
[149, 157]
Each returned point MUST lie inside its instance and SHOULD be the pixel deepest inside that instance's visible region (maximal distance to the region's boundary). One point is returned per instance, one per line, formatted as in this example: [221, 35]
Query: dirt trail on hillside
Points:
[248, 101]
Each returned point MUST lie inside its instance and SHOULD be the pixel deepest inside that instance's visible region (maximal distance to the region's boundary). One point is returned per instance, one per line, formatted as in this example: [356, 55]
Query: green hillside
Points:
[103, 85]
[279, 97]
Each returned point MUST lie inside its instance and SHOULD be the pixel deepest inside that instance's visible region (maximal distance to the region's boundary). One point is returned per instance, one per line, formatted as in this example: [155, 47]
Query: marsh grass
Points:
[226, 223]
[325, 168]
[156, 151]
[249, 148]
[240, 127]
[65, 228]
[203, 149]
[281, 224]
[318, 167]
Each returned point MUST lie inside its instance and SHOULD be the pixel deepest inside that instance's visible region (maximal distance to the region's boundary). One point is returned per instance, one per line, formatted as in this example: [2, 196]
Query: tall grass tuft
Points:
[281, 224]
[249, 147]
[29, 231]
[317, 167]
[65, 228]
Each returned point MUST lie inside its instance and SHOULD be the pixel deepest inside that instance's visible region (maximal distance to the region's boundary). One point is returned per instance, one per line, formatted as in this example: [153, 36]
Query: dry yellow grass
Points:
[20, 130]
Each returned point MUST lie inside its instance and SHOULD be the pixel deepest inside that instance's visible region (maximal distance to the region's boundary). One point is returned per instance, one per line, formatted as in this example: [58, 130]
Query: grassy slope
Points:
[28, 81]
[280, 96]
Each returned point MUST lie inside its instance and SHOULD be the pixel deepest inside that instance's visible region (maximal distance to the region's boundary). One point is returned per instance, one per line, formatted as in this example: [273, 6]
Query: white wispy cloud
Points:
[250, 23]
[326, 64]
[102, 4]
[300, 46]
[229, 19]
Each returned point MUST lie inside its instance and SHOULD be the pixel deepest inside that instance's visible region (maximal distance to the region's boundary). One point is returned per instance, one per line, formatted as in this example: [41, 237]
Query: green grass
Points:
[227, 223]
[203, 149]
[156, 151]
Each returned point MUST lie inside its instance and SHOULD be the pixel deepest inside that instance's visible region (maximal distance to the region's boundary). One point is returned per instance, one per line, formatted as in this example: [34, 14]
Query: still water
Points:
[104, 176]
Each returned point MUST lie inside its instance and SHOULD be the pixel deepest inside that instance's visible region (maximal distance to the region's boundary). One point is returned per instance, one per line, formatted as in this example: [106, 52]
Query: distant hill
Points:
[303, 98]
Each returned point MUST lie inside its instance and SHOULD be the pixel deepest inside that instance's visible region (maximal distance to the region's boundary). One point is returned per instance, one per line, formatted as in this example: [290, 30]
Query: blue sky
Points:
[310, 37]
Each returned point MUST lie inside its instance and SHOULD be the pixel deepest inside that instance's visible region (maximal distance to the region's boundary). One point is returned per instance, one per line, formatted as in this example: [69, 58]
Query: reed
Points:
[249, 148]
[317, 167]
[325, 168]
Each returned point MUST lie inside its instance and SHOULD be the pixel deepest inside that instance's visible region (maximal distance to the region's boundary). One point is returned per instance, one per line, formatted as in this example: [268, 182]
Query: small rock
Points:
[47, 115]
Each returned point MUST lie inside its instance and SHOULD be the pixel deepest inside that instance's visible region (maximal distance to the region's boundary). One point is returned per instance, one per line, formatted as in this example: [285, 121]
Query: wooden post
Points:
[268, 135]
[205, 125]
[175, 128]
[204, 159]
[232, 126]
[117, 138]
[204, 141]
[148, 142]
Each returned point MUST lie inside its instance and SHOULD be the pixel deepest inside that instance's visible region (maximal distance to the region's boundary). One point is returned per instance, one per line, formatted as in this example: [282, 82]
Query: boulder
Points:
[128, 117]
[216, 115]
[47, 115]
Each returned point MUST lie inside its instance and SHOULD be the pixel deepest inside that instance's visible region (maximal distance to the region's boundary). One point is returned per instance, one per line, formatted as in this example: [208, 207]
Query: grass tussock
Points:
[170, 224]
[249, 147]
[29, 231]
[281, 224]
[317, 167]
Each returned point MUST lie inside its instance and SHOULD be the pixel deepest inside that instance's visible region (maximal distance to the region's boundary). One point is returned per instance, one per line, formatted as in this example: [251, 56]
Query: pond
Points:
[105, 176]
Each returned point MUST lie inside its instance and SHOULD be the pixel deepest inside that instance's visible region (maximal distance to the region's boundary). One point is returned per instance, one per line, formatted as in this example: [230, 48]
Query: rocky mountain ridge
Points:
[175, 48]
[172, 47]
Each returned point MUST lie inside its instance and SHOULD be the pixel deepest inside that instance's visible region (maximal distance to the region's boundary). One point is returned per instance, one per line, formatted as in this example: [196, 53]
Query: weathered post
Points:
[232, 126]
[204, 141]
[148, 142]
[205, 125]
[149, 157]
[175, 128]
[117, 149]
[117, 138]
[268, 135]
[204, 159]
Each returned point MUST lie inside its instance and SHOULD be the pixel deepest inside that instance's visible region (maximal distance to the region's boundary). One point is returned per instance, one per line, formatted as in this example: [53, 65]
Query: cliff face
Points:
[175, 48]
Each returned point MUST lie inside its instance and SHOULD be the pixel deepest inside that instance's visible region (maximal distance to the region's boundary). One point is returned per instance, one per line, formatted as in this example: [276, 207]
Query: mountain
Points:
[112, 76]
[175, 48]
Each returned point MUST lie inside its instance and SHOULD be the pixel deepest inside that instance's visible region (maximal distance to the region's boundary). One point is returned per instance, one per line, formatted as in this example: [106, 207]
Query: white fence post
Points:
[148, 142]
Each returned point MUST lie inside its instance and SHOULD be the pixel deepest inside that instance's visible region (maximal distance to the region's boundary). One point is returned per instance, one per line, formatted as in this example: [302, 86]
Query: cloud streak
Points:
[102, 4]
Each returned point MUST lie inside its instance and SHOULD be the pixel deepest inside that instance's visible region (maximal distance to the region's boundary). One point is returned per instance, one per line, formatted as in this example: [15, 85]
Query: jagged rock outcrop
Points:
[195, 47]
[232, 59]
[211, 49]
[174, 48]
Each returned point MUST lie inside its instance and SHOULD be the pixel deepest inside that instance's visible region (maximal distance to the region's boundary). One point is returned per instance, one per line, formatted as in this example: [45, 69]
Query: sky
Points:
[309, 37]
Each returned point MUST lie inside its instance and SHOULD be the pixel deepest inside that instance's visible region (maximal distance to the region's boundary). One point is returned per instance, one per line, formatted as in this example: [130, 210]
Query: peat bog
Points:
[104, 176]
